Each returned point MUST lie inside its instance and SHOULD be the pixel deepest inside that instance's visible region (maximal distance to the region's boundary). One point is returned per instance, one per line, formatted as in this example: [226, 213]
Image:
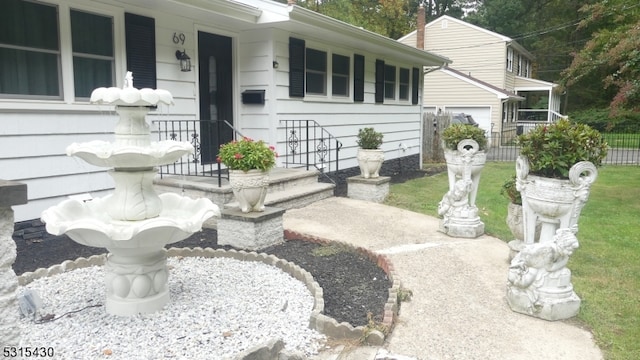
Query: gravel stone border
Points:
[318, 320]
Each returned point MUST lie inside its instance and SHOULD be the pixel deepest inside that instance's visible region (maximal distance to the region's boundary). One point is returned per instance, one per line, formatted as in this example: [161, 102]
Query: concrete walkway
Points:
[458, 310]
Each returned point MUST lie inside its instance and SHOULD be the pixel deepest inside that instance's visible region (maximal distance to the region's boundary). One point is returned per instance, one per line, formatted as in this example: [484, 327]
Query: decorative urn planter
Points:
[249, 188]
[370, 161]
[457, 208]
[514, 221]
[554, 203]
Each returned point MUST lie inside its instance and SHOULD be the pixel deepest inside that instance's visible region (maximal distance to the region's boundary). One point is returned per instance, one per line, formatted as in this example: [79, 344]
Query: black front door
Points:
[216, 97]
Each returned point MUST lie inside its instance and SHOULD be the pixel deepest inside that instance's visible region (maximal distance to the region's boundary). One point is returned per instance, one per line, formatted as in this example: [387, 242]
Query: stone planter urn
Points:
[249, 188]
[370, 161]
[514, 221]
[554, 203]
[457, 208]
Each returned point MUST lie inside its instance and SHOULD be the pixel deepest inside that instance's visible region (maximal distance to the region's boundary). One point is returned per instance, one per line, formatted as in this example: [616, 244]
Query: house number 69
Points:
[178, 38]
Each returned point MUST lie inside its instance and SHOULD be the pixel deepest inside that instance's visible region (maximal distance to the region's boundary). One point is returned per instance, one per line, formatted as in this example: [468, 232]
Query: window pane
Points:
[340, 79]
[91, 34]
[340, 65]
[390, 73]
[28, 73]
[315, 83]
[316, 60]
[404, 84]
[389, 82]
[404, 76]
[89, 74]
[340, 85]
[29, 24]
[93, 62]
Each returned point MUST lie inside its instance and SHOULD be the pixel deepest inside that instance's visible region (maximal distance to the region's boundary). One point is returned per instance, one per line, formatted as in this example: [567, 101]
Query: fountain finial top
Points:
[130, 96]
[128, 80]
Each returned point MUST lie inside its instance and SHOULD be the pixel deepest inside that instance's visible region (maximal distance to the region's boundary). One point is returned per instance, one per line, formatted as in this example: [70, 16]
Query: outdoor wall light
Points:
[275, 65]
[185, 60]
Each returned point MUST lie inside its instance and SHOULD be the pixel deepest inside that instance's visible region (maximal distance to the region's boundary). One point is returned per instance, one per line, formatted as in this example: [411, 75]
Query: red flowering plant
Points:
[247, 154]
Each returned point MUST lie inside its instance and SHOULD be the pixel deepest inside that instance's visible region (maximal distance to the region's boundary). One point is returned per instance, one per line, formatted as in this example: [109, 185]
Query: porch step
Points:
[288, 188]
[296, 196]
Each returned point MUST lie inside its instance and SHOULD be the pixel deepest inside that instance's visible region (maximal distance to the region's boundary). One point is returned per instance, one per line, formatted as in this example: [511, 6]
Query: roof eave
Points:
[310, 18]
[230, 8]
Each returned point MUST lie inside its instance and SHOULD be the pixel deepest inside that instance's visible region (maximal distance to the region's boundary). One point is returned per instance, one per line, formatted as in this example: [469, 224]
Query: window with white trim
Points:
[93, 60]
[520, 65]
[389, 82]
[340, 74]
[404, 84]
[29, 50]
[31, 61]
[316, 72]
[509, 59]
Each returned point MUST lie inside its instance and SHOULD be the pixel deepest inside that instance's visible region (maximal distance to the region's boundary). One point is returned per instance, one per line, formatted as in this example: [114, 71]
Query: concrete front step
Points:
[297, 196]
[288, 188]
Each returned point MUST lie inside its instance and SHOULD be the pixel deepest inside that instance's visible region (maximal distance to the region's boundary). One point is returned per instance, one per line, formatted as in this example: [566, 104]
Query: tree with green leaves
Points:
[391, 18]
[612, 52]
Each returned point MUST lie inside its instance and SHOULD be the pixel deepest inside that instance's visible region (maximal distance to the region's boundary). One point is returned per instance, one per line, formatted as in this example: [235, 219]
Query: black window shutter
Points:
[141, 50]
[379, 81]
[415, 84]
[296, 67]
[358, 77]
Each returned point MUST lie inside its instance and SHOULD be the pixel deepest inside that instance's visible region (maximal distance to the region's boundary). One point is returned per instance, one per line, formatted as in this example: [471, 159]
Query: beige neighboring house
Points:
[489, 78]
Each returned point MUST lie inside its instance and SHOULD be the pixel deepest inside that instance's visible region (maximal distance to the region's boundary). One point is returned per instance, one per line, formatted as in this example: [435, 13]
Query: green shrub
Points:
[370, 139]
[553, 149]
[455, 133]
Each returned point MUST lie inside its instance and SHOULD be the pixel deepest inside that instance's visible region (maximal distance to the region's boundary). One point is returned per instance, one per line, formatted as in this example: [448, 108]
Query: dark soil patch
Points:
[353, 286]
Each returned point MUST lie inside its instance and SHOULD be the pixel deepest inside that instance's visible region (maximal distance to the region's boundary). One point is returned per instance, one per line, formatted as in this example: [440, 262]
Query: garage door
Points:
[481, 114]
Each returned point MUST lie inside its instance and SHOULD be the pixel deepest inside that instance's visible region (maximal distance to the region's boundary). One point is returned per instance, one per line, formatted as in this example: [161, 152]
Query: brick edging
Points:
[342, 330]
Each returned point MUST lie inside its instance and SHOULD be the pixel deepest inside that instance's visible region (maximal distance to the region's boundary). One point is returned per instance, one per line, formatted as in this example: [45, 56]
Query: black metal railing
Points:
[624, 147]
[308, 145]
[206, 136]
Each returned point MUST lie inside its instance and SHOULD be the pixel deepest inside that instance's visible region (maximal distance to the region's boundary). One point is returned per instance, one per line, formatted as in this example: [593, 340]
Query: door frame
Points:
[234, 70]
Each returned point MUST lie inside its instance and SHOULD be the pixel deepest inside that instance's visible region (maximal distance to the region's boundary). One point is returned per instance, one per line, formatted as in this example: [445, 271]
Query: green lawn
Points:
[606, 267]
[622, 140]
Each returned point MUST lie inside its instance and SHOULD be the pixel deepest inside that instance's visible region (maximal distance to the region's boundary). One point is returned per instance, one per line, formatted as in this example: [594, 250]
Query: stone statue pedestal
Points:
[371, 189]
[11, 193]
[252, 230]
[463, 222]
[556, 299]
[539, 283]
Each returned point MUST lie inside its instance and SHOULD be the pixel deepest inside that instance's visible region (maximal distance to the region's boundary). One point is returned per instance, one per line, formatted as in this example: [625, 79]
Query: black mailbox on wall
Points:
[253, 97]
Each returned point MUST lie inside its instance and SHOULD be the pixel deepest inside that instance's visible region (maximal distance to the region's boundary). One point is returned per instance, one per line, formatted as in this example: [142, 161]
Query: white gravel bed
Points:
[219, 307]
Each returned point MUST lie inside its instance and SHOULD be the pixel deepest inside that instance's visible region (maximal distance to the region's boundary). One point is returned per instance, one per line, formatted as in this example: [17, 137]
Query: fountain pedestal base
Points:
[136, 283]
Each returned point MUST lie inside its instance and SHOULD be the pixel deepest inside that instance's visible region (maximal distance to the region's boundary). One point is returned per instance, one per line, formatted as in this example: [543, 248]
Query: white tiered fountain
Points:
[134, 223]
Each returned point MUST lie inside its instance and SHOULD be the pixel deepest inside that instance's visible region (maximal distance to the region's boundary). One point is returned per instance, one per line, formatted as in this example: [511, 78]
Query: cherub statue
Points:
[541, 265]
[456, 198]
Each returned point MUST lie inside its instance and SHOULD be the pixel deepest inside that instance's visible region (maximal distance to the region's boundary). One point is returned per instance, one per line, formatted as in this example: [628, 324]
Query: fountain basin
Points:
[130, 96]
[107, 154]
[137, 273]
[89, 223]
